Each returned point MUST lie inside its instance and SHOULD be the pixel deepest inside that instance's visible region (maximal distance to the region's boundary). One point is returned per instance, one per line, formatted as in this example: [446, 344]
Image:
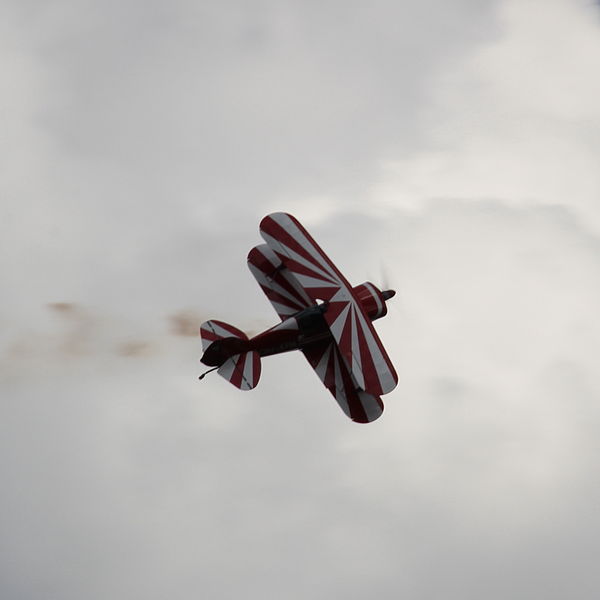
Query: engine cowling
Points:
[372, 299]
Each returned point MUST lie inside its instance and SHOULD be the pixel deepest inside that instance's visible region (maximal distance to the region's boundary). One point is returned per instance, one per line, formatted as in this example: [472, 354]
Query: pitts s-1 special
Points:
[321, 314]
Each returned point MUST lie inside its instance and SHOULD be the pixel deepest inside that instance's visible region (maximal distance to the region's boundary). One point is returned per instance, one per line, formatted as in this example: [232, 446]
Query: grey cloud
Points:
[231, 100]
[123, 475]
[472, 474]
[147, 125]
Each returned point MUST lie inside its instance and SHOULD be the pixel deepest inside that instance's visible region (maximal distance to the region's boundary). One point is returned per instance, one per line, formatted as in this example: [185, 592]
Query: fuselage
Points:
[298, 331]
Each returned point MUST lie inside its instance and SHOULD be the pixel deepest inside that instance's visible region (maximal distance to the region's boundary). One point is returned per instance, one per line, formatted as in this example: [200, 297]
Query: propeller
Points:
[384, 275]
[387, 291]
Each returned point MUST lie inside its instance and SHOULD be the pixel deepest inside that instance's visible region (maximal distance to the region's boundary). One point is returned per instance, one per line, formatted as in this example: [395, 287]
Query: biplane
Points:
[321, 315]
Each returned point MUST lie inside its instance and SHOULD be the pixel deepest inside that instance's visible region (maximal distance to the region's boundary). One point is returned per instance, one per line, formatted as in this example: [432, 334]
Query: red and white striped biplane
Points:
[321, 314]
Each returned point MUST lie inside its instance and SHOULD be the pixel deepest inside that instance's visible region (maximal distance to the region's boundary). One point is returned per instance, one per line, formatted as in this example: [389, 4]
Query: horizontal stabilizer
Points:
[242, 370]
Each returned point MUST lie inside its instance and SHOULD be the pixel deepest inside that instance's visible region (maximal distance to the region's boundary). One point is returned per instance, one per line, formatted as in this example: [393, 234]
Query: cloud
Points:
[483, 451]
[134, 348]
[518, 122]
[144, 144]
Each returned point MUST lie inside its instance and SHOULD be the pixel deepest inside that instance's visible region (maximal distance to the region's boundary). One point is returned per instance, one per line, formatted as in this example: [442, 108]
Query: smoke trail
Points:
[75, 332]
[185, 323]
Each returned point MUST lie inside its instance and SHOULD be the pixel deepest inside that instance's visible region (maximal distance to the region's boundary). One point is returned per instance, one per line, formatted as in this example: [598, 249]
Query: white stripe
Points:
[321, 368]
[247, 373]
[370, 405]
[357, 370]
[373, 291]
[321, 268]
[288, 324]
[337, 327]
[269, 255]
[284, 311]
[262, 279]
[384, 374]
[220, 331]
[340, 392]
[382, 369]
[300, 300]
[294, 231]
[342, 295]
[203, 331]
[227, 368]
[211, 327]
[311, 282]
[283, 272]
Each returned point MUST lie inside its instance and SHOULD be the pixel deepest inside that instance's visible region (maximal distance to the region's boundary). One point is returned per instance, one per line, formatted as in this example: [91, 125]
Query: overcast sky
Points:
[452, 149]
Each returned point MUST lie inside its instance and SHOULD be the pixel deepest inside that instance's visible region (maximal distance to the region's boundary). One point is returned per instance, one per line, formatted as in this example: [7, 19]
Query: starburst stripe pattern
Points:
[213, 330]
[351, 328]
[242, 370]
[279, 285]
[325, 358]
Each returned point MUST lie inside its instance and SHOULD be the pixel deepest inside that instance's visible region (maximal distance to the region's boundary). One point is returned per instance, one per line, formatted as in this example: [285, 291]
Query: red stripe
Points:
[334, 310]
[234, 331]
[329, 380]
[325, 293]
[357, 411]
[281, 280]
[345, 340]
[275, 297]
[261, 262]
[325, 259]
[236, 375]
[276, 231]
[259, 259]
[272, 229]
[348, 396]
[297, 267]
[315, 353]
[372, 383]
[255, 368]
[208, 335]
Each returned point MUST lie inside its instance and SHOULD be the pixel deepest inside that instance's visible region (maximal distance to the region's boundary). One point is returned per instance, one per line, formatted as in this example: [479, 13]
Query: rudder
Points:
[211, 331]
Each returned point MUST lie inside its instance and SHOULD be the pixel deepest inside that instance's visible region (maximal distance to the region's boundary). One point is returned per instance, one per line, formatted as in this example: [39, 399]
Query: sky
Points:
[448, 150]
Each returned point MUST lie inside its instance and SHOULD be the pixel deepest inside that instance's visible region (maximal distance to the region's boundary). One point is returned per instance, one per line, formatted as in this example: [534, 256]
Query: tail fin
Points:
[225, 346]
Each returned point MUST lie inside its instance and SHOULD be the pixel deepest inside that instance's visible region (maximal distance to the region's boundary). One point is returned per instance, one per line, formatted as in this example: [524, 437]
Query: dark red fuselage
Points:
[297, 332]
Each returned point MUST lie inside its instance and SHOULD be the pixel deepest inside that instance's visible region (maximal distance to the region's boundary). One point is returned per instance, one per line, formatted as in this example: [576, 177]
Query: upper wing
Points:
[320, 279]
[324, 357]
[279, 285]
